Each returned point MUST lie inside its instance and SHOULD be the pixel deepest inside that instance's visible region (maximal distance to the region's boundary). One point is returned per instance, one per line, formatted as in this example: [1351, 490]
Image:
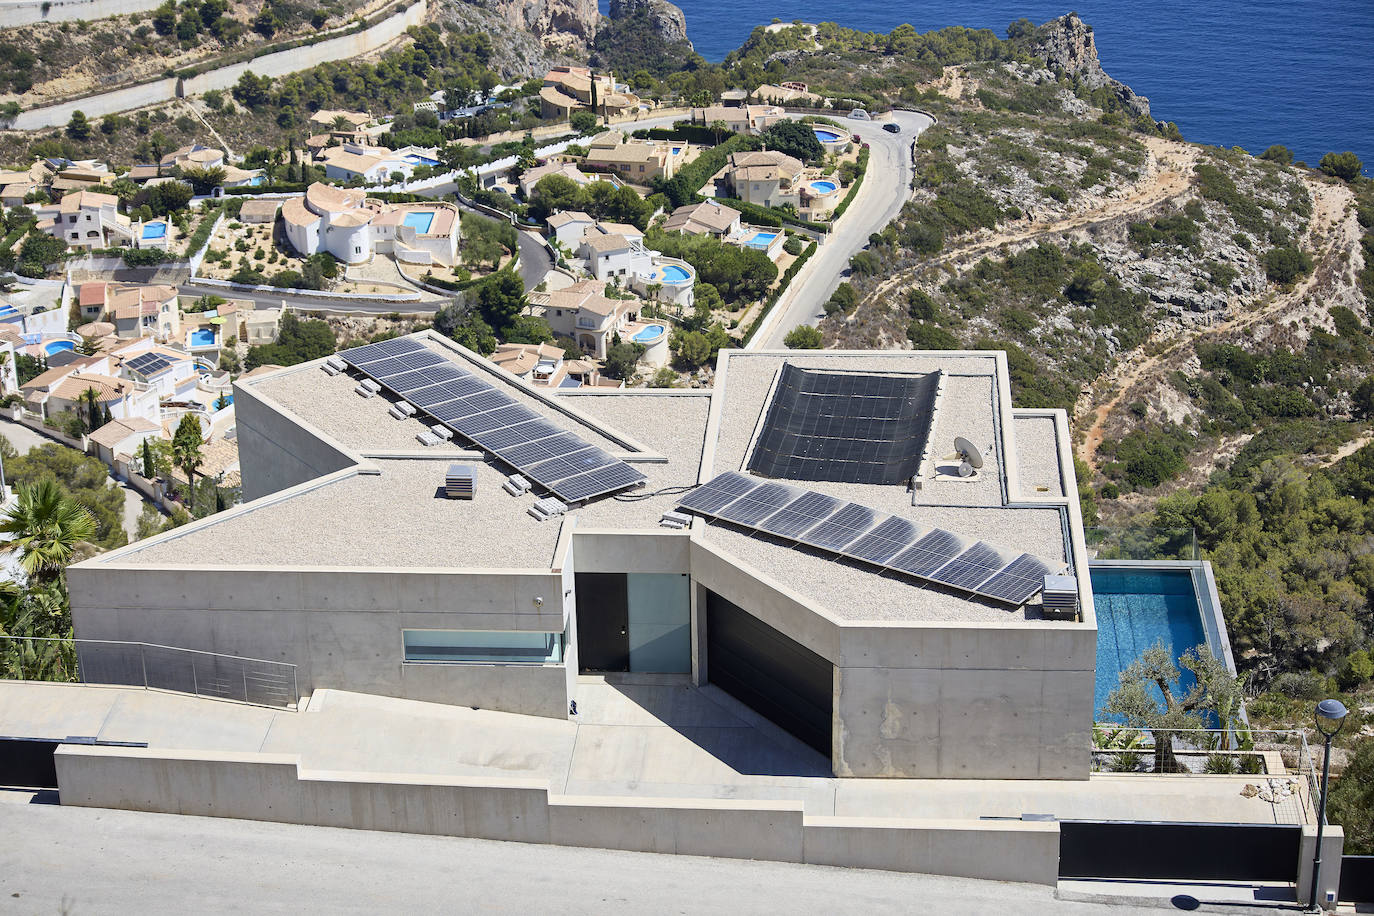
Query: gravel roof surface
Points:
[1037, 456]
[672, 425]
[393, 519]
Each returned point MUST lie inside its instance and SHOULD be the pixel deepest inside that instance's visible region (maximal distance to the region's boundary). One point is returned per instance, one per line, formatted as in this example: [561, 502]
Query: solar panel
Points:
[562, 463]
[842, 528]
[710, 497]
[929, 553]
[758, 503]
[800, 514]
[1020, 580]
[885, 541]
[149, 363]
[861, 533]
[971, 568]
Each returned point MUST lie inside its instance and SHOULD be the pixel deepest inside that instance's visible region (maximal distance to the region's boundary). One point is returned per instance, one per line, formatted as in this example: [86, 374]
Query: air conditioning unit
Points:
[546, 508]
[460, 482]
[675, 520]
[516, 485]
[1060, 597]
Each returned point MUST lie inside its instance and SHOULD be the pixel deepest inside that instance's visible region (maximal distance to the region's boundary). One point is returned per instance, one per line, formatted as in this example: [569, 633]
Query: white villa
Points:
[87, 219]
[744, 119]
[352, 227]
[592, 319]
[615, 251]
[373, 164]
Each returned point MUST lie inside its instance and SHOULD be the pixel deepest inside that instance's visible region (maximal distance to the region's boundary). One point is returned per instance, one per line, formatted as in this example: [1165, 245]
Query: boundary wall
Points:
[274, 787]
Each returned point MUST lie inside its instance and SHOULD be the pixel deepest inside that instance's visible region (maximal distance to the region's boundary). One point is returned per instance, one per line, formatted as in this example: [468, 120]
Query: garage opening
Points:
[774, 675]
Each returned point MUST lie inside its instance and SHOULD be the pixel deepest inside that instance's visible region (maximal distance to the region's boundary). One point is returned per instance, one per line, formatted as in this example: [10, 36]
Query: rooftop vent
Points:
[675, 520]
[401, 410]
[547, 508]
[1061, 597]
[516, 485]
[460, 482]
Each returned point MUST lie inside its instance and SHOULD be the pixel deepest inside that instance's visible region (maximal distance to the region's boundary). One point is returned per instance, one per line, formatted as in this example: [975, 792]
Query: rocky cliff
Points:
[563, 24]
[1066, 44]
[663, 18]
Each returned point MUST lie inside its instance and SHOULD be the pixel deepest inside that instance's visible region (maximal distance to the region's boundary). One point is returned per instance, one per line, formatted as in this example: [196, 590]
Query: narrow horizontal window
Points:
[493, 647]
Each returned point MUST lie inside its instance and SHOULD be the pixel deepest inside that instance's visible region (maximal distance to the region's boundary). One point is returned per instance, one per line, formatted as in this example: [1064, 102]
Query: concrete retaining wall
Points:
[16, 13]
[273, 787]
[276, 64]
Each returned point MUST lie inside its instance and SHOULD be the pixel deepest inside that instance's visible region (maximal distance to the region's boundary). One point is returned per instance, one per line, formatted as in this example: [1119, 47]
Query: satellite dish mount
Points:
[971, 458]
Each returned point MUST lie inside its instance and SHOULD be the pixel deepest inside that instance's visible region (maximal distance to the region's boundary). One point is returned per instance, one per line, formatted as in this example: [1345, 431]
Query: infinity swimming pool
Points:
[154, 230]
[1137, 608]
[419, 220]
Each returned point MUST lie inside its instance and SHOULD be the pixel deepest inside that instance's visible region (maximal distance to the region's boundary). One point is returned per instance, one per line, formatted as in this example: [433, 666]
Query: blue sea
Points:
[1229, 73]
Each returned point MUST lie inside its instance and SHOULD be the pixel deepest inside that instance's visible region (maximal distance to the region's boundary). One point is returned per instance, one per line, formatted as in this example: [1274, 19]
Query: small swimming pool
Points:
[421, 160]
[57, 346]
[671, 273]
[648, 335]
[419, 220]
[824, 187]
[826, 135]
[229, 402]
[154, 230]
[8, 311]
[201, 337]
[676, 150]
[1136, 609]
[761, 240]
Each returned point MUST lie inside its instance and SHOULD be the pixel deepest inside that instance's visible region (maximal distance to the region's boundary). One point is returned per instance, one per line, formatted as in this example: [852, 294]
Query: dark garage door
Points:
[775, 676]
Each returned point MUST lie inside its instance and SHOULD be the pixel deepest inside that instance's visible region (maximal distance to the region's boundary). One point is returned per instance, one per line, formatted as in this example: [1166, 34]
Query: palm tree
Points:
[47, 526]
[186, 454]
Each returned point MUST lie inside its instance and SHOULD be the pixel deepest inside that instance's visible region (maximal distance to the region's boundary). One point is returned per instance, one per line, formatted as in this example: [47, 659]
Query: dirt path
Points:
[1169, 175]
[1350, 448]
[1329, 233]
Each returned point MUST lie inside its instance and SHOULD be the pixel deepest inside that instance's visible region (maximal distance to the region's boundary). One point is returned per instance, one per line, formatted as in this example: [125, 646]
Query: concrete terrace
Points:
[636, 738]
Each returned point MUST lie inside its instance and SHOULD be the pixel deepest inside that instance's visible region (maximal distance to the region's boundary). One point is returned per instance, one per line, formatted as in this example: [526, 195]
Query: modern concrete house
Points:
[340, 568]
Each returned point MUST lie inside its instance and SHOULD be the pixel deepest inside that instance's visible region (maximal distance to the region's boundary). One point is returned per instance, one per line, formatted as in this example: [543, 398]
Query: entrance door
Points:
[603, 622]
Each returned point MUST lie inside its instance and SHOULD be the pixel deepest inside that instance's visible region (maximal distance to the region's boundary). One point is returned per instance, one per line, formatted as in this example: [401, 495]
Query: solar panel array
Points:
[557, 460]
[148, 364]
[860, 533]
[851, 427]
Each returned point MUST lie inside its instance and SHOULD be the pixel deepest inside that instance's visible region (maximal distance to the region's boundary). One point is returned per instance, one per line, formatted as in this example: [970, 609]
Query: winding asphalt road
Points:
[885, 189]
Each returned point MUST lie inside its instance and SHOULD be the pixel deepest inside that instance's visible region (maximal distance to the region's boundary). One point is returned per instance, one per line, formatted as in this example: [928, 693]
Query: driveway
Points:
[885, 190]
[23, 438]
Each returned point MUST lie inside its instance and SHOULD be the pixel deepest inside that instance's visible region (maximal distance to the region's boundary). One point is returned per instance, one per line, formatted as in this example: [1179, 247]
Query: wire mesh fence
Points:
[135, 664]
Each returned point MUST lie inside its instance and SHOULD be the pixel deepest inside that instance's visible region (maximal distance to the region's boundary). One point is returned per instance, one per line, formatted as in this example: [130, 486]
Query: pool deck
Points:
[645, 738]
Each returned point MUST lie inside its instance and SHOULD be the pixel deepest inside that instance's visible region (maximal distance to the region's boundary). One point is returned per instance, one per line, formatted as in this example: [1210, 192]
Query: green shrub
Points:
[1284, 265]
[1354, 671]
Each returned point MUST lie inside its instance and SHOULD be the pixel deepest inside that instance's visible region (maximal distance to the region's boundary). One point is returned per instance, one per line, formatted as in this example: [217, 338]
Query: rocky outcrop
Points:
[557, 23]
[663, 18]
[1066, 45]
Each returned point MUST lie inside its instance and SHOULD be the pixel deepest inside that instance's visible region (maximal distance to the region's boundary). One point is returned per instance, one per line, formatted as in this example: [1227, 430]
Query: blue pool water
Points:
[761, 240]
[823, 187]
[826, 135]
[154, 230]
[421, 160]
[7, 311]
[676, 150]
[202, 337]
[648, 335]
[57, 346]
[420, 220]
[227, 397]
[671, 273]
[1136, 609]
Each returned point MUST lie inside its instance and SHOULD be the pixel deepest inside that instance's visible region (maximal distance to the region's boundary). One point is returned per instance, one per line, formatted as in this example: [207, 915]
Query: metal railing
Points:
[152, 667]
[1142, 543]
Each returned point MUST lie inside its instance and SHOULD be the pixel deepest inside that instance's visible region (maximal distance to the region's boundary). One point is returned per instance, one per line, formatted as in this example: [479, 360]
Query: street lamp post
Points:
[1329, 717]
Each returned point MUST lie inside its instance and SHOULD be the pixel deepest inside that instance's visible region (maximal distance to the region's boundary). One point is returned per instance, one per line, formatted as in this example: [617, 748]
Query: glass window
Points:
[501, 647]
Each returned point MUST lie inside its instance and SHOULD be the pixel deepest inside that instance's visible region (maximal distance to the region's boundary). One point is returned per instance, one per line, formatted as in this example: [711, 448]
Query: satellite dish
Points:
[969, 452]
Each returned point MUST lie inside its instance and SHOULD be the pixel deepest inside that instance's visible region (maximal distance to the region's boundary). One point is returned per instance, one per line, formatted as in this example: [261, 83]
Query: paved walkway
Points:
[88, 861]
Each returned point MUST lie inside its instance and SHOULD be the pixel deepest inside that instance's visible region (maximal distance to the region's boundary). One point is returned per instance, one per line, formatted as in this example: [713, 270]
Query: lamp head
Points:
[1330, 716]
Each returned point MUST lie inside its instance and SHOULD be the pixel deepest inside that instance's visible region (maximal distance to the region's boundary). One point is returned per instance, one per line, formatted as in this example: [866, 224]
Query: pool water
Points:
[57, 346]
[824, 187]
[761, 239]
[672, 273]
[202, 337]
[648, 335]
[827, 136]
[229, 399]
[676, 150]
[154, 230]
[421, 160]
[419, 220]
[1138, 608]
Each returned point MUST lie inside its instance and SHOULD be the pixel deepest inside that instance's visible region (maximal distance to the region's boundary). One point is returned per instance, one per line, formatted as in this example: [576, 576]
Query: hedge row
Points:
[854, 188]
[203, 229]
[776, 294]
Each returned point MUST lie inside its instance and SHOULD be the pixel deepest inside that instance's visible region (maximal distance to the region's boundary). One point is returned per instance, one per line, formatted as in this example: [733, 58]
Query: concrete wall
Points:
[15, 13]
[1006, 701]
[278, 451]
[341, 628]
[280, 63]
[272, 787]
[1333, 843]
